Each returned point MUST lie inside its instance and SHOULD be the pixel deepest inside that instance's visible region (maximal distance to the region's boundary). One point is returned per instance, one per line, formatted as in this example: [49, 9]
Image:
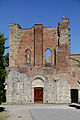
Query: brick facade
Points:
[28, 69]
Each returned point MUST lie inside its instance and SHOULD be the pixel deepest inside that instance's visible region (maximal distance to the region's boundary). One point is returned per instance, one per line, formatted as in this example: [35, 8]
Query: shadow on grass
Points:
[2, 109]
[75, 106]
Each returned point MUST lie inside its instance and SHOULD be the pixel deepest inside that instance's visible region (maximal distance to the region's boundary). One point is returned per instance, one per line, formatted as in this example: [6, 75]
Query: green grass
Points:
[41, 103]
[52, 103]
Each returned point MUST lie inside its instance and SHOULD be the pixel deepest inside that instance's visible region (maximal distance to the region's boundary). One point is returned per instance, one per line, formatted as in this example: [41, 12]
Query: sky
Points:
[26, 13]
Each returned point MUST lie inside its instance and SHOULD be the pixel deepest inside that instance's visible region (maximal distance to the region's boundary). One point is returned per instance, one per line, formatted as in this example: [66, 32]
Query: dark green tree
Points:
[6, 59]
[2, 65]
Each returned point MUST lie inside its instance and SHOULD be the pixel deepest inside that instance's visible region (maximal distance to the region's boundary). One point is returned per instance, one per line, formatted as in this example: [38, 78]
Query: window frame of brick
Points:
[48, 63]
[28, 56]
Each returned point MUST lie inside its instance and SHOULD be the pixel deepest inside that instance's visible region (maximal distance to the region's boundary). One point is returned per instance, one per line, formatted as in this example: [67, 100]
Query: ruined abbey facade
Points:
[34, 79]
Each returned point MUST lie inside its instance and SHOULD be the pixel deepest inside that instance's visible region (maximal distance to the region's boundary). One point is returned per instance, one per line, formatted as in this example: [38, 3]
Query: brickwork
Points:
[74, 60]
[31, 39]
[50, 40]
[62, 57]
[57, 80]
[38, 44]
[26, 42]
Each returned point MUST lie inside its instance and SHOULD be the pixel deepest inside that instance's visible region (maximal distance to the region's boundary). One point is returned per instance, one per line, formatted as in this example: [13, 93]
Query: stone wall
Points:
[15, 34]
[62, 51]
[63, 31]
[20, 88]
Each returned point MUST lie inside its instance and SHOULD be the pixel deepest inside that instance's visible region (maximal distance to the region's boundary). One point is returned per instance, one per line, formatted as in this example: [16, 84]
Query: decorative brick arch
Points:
[49, 41]
[39, 77]
[37, 81]
[26, 42]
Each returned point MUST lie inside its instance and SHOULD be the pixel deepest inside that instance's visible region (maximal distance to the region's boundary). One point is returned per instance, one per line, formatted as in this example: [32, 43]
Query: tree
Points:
[2, 65]
[6, 59]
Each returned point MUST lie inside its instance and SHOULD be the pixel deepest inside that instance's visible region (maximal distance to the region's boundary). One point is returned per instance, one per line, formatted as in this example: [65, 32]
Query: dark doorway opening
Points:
[4, 96]
[74, 96]
[38, 95]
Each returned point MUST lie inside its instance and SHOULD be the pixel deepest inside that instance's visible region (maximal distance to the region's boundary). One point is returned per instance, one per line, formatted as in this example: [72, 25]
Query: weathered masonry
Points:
[37, 77]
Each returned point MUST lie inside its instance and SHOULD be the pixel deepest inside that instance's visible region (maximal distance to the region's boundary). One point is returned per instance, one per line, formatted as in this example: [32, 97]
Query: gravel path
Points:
[17, 112]
[38, 111]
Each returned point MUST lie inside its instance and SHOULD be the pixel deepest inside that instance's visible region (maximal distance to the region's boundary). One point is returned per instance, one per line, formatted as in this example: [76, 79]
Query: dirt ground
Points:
[15, 112]
[39, 112]
[4, 115]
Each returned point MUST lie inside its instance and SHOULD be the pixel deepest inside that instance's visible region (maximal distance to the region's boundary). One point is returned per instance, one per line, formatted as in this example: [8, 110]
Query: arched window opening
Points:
[48, 57]
[28, 56]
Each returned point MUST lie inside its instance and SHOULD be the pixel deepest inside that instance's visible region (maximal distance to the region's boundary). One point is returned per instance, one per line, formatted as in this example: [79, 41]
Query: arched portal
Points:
[38, 90]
